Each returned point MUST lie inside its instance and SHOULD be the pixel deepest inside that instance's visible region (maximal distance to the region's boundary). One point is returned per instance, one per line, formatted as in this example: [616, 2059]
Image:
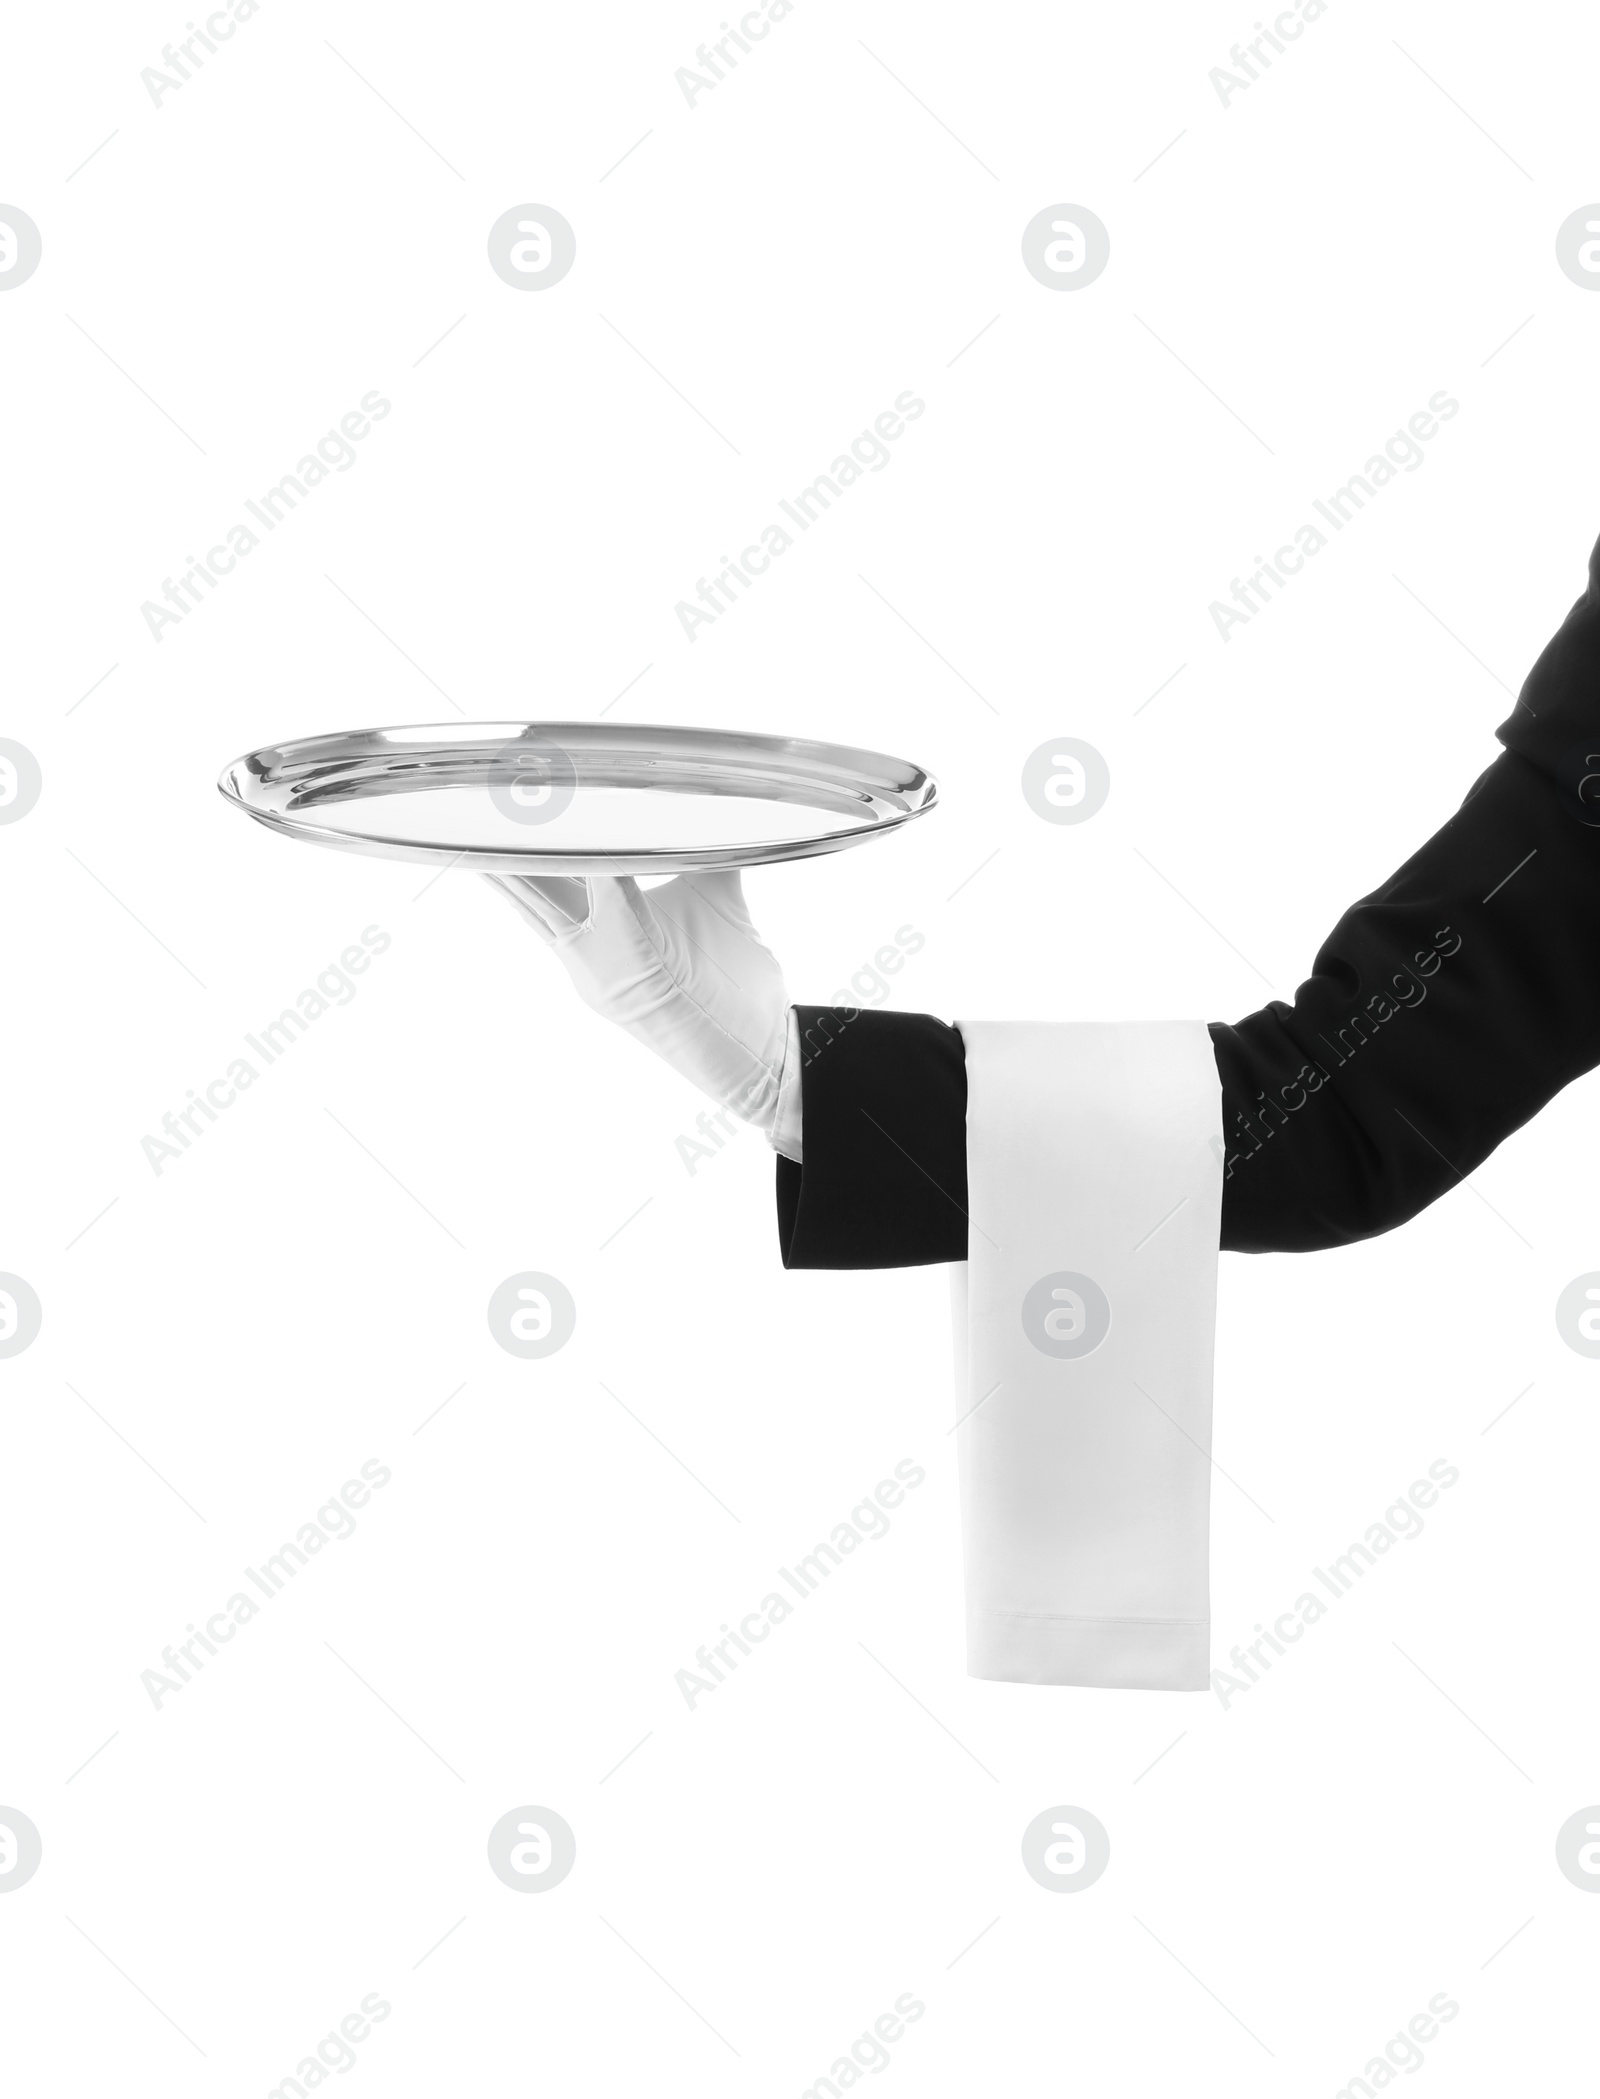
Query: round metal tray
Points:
[576, 798]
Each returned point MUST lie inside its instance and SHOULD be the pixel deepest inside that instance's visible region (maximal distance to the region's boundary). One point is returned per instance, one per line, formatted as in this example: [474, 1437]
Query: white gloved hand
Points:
[682, 969]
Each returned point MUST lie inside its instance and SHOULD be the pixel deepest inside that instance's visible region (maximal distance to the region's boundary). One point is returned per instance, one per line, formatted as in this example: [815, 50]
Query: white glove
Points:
[684, 971]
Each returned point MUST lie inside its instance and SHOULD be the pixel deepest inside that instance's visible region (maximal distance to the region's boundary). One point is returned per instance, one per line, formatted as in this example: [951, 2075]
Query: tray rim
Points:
[876, 774]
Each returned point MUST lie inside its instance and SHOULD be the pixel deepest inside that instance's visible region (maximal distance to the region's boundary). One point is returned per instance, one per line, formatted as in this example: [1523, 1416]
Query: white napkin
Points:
[1084, 1324]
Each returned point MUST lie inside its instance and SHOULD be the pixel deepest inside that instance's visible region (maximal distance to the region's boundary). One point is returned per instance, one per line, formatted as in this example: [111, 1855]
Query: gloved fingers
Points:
[692, 934]
[564, 898]
[710, 914]
[552, 904]
[723, 889]
[615, 906]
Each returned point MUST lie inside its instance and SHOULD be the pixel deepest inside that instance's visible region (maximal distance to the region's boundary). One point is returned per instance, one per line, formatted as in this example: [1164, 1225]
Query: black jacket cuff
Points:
[883, 1106]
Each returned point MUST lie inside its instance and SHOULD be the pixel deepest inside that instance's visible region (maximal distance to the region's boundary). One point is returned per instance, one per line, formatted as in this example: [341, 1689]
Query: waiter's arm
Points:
[1442, 1012]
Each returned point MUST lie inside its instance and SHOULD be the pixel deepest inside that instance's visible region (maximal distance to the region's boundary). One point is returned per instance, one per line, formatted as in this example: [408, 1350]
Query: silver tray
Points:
[576, 798]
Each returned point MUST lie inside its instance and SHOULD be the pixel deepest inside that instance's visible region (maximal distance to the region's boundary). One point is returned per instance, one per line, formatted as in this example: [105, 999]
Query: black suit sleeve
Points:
[1441, 1013]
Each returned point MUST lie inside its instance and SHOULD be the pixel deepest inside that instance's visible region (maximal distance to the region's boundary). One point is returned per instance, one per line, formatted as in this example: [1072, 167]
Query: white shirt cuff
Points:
[785, 1132]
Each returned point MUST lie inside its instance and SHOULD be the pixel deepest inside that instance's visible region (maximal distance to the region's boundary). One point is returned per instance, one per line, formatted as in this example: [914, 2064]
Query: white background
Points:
[836, 1825]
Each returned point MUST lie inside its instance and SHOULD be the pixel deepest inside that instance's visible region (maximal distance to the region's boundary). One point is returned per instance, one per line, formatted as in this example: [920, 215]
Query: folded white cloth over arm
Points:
[1084, 1322]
